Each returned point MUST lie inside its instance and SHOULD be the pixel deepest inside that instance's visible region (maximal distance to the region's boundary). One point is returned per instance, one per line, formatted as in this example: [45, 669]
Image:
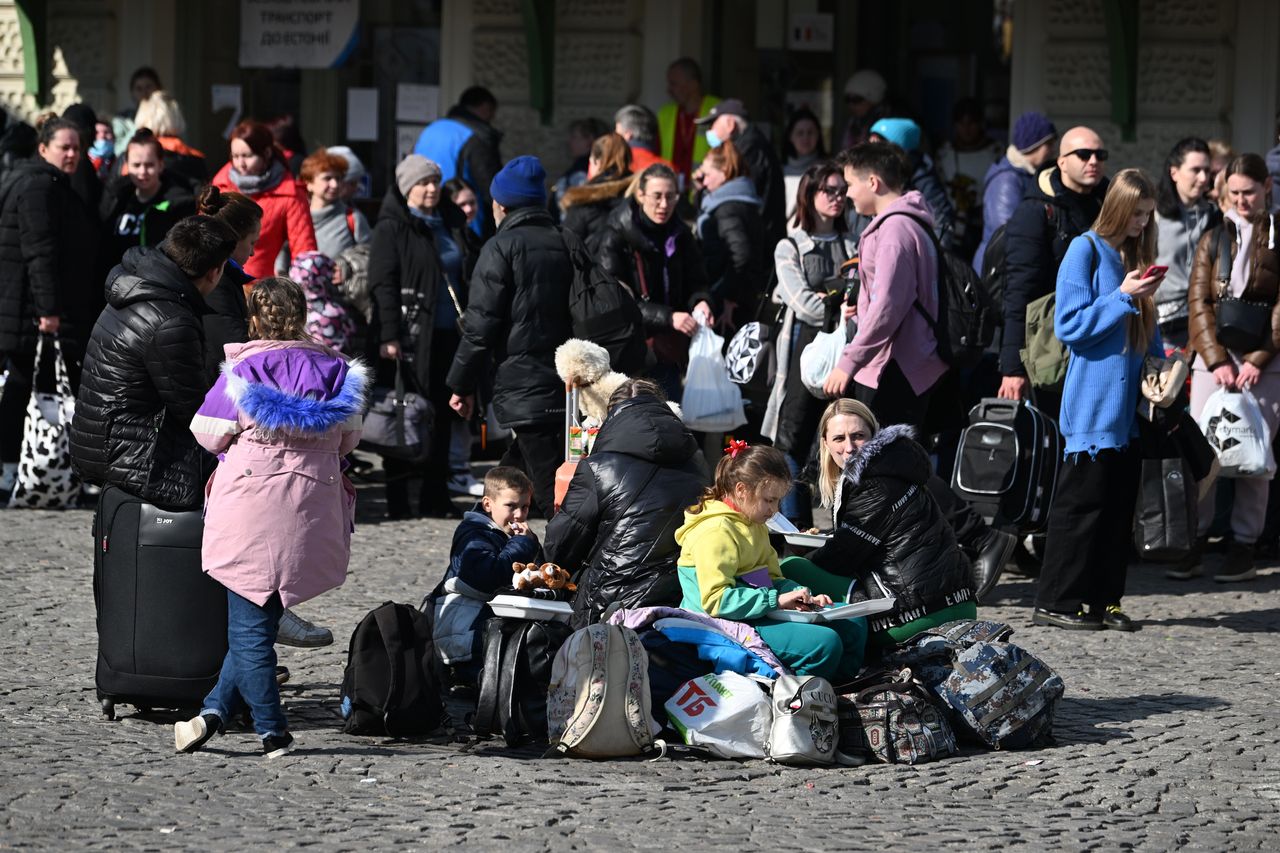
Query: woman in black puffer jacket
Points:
[587, 207]
[616, 527]
[890, 535]
[731, 231]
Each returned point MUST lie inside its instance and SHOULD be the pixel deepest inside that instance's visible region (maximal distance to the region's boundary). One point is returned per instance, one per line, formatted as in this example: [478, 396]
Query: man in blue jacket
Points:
[465, 144]
[1008, 180]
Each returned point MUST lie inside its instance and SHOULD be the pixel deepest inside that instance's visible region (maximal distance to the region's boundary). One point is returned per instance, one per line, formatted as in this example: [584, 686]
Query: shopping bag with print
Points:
[45, 477]
[1233, 423]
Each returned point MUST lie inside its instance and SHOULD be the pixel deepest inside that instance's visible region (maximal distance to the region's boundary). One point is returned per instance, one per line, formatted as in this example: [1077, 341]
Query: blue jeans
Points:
[249, 670]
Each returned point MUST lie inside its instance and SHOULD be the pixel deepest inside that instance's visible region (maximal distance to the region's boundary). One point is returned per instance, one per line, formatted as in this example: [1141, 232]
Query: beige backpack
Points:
[598, 703]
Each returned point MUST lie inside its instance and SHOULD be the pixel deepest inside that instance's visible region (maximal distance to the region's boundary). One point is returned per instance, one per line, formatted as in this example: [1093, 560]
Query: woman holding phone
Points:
[1106, 317]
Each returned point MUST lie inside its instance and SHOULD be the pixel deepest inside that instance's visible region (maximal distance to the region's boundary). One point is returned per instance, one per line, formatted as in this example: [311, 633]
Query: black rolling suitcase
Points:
[1007, 464]
[162, 622]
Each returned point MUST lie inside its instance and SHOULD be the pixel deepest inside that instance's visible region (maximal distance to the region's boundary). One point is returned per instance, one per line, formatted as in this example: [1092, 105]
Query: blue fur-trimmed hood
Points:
[877, 449]
[325, 395]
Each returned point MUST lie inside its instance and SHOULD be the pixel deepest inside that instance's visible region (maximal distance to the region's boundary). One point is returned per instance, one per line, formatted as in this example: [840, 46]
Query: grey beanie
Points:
[413, 170]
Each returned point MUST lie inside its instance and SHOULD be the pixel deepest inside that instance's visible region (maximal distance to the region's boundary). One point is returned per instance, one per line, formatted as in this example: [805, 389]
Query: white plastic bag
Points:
[727, 714]
[1232, 421]
[820, 357]
[711, 402]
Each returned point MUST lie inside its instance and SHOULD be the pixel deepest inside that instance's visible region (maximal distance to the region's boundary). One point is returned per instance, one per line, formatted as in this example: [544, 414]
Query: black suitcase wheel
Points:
[109, 709]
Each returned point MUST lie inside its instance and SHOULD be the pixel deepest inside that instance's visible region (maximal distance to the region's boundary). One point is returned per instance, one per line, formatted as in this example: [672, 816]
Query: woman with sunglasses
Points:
[811, 293]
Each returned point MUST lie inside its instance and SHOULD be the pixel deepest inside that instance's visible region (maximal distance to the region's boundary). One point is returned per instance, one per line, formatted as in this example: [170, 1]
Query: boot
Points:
[994, 550]
[1238, 565]
[1189, 566]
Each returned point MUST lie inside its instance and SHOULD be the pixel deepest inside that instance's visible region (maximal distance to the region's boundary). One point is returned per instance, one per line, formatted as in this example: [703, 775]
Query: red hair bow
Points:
[735, 447]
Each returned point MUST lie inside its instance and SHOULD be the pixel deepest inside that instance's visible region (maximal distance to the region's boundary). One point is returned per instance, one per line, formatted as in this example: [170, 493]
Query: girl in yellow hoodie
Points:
[728, 569]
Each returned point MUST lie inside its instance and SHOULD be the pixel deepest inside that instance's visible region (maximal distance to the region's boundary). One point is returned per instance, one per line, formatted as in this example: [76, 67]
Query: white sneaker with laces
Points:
[296, 631]
[466, 484]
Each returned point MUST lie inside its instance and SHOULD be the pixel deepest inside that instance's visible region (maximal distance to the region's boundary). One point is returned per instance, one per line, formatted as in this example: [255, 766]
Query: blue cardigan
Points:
[1100, 398]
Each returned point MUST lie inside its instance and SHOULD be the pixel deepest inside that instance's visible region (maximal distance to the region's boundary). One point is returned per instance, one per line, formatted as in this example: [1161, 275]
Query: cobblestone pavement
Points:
[1166, 739]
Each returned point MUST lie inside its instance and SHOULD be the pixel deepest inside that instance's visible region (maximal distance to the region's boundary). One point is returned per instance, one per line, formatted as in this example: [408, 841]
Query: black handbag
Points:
[1164, 525]
[1242, 326]
[398, 423]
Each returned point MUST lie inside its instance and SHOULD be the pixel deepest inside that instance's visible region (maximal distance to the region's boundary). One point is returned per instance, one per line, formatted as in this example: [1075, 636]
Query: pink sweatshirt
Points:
[899, 267]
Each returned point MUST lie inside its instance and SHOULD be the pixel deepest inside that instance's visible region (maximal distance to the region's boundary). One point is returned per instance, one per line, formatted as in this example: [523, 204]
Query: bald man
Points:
[1058, 207]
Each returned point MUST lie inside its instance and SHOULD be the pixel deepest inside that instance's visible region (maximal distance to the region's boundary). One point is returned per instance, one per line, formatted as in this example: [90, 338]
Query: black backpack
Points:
[518, 654]
[966, 321]
[390, 687]
[994, 271]
[604, 311]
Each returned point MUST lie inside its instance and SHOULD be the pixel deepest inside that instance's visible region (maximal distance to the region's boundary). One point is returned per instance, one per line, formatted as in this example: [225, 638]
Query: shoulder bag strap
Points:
[513, 653]
[1223, 259]
[487, 703]
[388, 618]
[644, 285]
[1094, 257]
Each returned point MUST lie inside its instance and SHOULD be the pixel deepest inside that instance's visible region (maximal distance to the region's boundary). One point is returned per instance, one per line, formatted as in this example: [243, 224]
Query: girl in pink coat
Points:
[278, 511]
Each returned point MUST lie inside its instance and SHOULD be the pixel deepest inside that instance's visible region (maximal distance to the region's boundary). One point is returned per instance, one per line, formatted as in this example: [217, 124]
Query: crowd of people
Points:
[232, 294]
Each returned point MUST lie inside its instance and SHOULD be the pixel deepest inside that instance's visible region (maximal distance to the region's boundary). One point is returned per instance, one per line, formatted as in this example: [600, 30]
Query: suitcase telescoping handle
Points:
[570, 417]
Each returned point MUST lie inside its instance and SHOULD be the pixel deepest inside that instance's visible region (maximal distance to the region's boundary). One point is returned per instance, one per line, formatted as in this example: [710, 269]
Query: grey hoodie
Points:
[334, 233]
[1176, 249]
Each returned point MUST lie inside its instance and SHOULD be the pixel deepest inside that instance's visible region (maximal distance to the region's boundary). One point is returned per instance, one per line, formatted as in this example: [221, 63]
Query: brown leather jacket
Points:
[1202, 294]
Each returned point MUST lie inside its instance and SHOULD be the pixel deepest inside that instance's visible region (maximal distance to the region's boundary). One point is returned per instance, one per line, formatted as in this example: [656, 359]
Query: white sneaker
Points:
[465, 484]
[296, 631]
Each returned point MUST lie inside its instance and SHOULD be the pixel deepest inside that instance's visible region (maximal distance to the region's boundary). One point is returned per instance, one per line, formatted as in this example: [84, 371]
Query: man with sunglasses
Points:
[1058, 207]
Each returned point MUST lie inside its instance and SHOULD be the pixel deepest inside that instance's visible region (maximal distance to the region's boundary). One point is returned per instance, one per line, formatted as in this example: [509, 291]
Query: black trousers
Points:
[963, 519]
[894, 402]
[538, 450]
[1090, 527]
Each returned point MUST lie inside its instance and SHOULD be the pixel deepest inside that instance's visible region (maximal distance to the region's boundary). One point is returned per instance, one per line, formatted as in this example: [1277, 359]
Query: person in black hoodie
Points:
[647, 248]
[144, 373]
[1060, 206]
[517, 315]
[228, 319]
[587, 207]
[48, 246]
[616, 527]
[140, 208]
[420, 262]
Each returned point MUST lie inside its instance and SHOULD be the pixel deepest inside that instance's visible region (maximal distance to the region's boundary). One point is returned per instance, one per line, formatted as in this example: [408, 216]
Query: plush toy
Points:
[547, 576]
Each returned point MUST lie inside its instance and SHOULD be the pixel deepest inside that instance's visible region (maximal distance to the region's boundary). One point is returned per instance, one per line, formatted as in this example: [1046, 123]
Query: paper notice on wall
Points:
[297, 33]
[812, 32]
[362, 114]
[407, 137]
[416, 103]
[227, 97]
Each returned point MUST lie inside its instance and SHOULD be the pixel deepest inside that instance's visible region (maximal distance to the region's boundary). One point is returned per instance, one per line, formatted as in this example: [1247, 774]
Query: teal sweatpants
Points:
[832, 650]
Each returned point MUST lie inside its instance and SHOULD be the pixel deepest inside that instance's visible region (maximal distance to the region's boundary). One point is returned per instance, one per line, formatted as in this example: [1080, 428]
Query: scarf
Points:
[252, 185]
[1242, 263]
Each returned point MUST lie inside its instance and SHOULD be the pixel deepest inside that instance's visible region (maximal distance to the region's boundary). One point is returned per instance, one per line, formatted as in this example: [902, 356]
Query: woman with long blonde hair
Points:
[1106, 317]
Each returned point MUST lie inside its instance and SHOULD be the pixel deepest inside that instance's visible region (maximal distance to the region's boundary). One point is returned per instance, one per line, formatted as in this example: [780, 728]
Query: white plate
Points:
[838, 611]
[519, 607]
[808, 540]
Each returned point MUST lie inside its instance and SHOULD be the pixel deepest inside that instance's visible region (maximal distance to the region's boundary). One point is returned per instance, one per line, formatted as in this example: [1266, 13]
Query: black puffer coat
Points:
[228, 319]
[405, 271]
[620, 515]
[517, 314]
[892, 536]
[48, 248]
[587, 207]
[637, 256]
[143, 381]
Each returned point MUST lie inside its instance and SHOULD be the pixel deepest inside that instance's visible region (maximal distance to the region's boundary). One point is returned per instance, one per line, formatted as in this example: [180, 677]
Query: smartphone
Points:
[1154, 270]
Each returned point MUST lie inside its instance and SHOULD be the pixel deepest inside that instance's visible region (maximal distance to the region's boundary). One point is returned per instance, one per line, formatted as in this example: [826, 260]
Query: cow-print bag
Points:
[45, 478]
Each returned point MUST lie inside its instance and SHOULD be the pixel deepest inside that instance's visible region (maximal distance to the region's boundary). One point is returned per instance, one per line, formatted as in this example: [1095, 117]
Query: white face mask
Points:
[713, 140]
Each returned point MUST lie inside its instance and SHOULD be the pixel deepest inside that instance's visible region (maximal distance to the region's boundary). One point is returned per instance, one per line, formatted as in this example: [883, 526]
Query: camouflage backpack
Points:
[893, 720]
[998, 693]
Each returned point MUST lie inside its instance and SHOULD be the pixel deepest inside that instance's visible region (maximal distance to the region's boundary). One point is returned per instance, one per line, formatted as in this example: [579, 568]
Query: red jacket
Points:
[286, 213]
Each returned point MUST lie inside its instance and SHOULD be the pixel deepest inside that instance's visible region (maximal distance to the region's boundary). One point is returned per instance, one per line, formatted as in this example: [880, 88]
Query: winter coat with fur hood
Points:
[587, 207]
[626, 500]
[278, 511]
[890, 534]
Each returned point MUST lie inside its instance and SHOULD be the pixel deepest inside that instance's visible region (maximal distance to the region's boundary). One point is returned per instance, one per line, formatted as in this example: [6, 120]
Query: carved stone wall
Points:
[597, 69]
[1185, 73]
[81, 39]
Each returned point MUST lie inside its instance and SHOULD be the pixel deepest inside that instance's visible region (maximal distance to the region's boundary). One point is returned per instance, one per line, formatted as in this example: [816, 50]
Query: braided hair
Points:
[278, 310]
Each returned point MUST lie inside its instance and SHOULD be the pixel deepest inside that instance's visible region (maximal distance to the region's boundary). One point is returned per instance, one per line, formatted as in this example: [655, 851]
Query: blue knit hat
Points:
[1032, 130]
[902, 132]
[521, 183]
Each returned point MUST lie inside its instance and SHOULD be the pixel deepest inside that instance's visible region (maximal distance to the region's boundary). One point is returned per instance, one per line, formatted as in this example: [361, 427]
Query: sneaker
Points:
[296, 631]
[1238, 565]
[190, 735]
[1189, 566]
[1113, 619]
[274, 746]
[1078, 621]
[465, 484]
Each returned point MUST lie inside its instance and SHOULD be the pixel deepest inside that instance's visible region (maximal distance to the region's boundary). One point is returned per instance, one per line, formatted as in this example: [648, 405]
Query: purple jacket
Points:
[899, 268]
[278, 512]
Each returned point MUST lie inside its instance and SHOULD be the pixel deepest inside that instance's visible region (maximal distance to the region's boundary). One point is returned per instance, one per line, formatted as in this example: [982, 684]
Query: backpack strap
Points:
[487, 703]
[513, 654]
[351, 221]
[388, 618]
[1094, 258]
[937, 253]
